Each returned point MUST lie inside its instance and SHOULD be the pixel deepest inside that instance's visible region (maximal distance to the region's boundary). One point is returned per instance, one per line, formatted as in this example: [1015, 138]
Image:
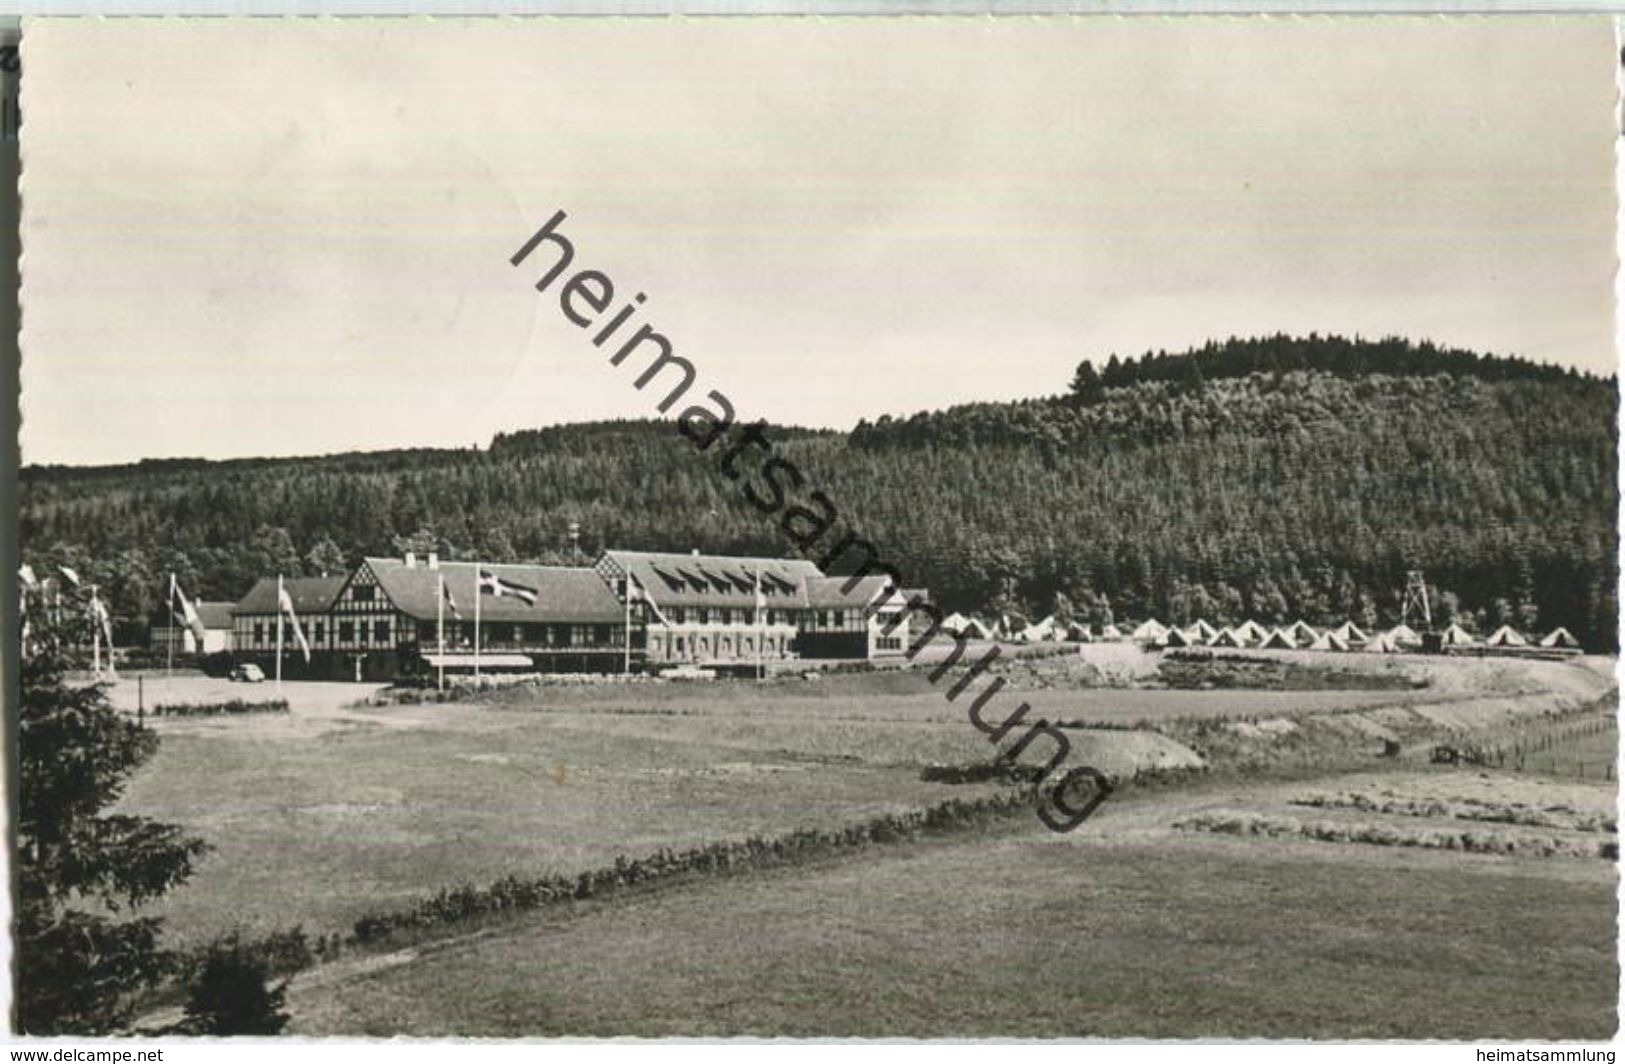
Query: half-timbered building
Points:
[255, 618]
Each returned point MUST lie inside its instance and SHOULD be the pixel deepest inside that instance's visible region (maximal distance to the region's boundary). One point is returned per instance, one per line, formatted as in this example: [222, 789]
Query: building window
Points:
[380, 631]
[362, 592]
[823, 619]
[600, 634]
[346, 631]
[259, 631]
[702, 615]
[561, 635]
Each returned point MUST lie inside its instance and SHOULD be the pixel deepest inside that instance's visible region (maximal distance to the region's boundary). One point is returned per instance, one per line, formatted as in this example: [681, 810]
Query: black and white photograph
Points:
[745, 528]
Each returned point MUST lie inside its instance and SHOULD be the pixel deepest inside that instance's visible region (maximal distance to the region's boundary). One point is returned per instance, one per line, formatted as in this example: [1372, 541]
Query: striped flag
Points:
[30, 582]
[636, 593]
[298, 633]
[451, 603]
[492, 584]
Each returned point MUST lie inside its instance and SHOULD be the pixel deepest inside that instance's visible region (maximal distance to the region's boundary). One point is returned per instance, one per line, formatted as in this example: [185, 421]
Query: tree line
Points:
[1272, 478]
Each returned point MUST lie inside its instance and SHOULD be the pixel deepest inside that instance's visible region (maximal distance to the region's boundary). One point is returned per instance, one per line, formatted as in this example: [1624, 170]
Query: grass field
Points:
[337, 809]
[317, 829]
[1578, 756]
[1033, 935]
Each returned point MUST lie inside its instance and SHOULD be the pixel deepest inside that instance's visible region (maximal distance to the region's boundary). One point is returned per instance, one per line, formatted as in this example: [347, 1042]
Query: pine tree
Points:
[77, 968]
[231, 994]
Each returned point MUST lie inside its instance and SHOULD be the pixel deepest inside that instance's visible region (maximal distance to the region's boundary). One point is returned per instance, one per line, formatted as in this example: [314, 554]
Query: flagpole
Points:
[626, 668]
[479, 593]
[440, 626]
[761, 629]
[95, 633]
[279, 623]
[169, 665]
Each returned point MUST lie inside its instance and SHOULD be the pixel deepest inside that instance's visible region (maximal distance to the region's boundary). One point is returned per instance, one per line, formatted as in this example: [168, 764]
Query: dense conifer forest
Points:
[1274, 478]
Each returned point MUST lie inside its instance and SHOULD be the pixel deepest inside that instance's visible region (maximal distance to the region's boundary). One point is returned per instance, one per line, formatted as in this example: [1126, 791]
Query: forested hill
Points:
[1272, 478]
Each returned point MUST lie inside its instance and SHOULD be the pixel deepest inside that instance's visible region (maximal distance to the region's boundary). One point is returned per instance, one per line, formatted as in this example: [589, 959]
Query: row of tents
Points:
[1299, 635]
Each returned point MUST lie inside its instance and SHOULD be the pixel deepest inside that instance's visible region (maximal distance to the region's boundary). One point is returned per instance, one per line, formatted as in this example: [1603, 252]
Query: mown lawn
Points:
[318, 827]
[1032, 935]
[330, 813]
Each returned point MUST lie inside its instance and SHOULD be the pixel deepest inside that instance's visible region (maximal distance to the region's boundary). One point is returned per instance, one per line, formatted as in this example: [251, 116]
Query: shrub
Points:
[230, 994]
[233, 707]
[511, 893]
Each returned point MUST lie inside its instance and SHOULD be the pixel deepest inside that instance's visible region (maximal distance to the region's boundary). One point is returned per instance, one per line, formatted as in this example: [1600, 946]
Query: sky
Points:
[293, 237]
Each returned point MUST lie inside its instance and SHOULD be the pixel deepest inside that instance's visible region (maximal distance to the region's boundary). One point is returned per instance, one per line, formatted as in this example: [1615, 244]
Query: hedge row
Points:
[1382, 835]
[282, 952]
[217, 709]
[517, 894]
[995, 771]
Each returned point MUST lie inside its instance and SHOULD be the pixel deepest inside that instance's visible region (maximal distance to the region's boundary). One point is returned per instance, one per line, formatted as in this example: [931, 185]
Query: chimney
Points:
[411, 560]
[434, 560]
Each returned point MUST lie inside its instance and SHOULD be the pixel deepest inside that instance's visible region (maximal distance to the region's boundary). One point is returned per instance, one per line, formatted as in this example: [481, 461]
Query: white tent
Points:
[1177, 638]
[1009, 627]
[1504, 636]
[1038, 632]
[1227, 638]
[1280, 639]
[961, 624]
[1456, 636]
[1079, 632]
[1110, 633]
[1303, 633]
[1349, 633]
[1382, 643]
[1561, 638]
[1404, 635]
[1329, 641]
[1152, 631]
[1250, 632]
[1201, 632]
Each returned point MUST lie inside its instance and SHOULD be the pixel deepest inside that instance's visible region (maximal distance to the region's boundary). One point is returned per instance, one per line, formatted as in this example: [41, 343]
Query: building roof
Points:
[829, 592]
[716, 580]
[564, 594]
[216, 614]
[310, 594]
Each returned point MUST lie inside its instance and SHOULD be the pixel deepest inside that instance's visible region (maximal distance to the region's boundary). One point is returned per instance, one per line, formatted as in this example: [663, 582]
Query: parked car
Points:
[248, 672]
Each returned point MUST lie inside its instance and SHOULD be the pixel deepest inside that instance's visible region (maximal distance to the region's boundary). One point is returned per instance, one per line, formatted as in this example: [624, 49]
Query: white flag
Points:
[298, 633]
[188, 614]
